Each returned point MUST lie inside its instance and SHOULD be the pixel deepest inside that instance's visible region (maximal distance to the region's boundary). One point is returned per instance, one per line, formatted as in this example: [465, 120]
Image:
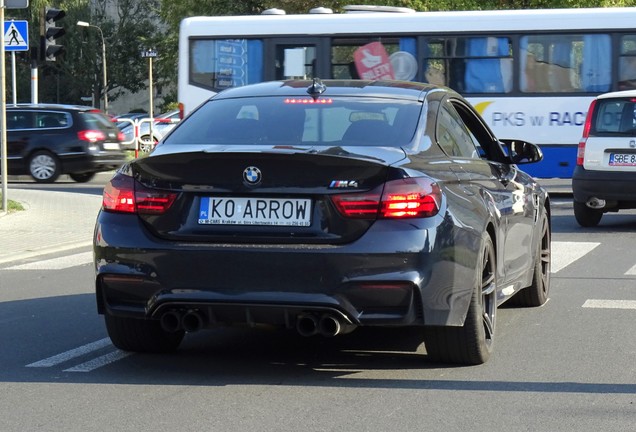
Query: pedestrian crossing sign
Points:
[16, 36]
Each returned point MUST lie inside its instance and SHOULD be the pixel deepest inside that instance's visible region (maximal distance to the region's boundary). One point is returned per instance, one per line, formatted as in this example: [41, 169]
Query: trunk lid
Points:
[263, 195]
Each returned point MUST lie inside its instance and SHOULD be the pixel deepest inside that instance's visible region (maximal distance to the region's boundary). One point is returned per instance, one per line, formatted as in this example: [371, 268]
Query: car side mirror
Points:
[522, 152]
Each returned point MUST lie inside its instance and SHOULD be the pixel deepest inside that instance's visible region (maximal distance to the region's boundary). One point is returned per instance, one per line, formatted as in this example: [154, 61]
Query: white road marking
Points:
[99, 361]
[68, 355]
[57, 263]
[631, 271]
[565, 253]
[610, 304]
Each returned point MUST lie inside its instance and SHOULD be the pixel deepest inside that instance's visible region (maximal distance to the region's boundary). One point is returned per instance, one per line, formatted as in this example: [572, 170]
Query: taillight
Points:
[123, 194]
[359, 205]
[580, 152]
[398, 199]
[121, 136]
[588, 119]
[91, 135]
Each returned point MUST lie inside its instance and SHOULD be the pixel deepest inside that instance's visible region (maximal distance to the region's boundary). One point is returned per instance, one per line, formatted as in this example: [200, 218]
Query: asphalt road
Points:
[567, 366]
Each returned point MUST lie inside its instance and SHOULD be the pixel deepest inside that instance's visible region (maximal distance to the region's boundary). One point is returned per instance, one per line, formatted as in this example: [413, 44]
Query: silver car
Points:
[147, 139]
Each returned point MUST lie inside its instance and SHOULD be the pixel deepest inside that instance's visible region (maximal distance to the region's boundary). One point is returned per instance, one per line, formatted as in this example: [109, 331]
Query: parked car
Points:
[322, 207]
[127, 116]
[46, 140]
[604, 179]
[161, 125]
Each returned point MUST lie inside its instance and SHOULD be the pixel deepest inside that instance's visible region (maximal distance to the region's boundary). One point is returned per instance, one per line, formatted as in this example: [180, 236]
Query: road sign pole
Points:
[152, 115]
[3, 117]
[34, 81]
[13, 4]
[14, 89]
[150, 54]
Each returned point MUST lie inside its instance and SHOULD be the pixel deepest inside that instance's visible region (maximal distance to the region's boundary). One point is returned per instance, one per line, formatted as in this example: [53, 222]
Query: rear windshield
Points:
[96, 120]
[344, 121]
[614, 117]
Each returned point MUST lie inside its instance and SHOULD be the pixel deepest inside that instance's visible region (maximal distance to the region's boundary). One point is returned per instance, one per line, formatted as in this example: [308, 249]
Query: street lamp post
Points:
[105, 84]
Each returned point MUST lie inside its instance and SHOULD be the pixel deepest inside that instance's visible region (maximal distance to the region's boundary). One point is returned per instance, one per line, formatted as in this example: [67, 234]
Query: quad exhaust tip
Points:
[328, 325]
[307, 324]
[190, 321]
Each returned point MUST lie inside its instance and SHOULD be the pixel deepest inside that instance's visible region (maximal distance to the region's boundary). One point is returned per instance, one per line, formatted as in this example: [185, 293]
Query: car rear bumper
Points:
[609, 186]
[397, 277]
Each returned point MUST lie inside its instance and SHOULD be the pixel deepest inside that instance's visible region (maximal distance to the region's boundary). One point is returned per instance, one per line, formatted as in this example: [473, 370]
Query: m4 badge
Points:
[339, 184]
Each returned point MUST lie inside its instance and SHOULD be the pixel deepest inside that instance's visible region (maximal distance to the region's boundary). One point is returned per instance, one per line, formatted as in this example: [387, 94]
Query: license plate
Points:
[255, 211]
[622, 159]
[111, 146]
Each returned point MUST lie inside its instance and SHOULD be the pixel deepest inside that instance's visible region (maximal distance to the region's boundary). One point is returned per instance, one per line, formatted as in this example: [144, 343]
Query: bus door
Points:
[295, 58]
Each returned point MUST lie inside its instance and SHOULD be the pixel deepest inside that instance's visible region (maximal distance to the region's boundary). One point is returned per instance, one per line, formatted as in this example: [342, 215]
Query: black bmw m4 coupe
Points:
[320, 207]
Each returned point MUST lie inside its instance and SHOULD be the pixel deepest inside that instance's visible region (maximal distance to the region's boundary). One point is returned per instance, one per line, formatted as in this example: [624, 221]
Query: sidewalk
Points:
[51, 222]
[56, 221]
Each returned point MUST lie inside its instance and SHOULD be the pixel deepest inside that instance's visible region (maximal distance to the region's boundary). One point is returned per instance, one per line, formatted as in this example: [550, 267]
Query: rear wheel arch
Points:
[490, 230]
[472, 343]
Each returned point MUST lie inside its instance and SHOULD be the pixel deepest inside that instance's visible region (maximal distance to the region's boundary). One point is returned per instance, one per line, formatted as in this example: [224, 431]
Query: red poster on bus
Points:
[372, 62]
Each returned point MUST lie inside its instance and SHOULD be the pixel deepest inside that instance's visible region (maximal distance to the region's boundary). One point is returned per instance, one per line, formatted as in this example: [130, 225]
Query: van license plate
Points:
[622, 159]
[255, 211]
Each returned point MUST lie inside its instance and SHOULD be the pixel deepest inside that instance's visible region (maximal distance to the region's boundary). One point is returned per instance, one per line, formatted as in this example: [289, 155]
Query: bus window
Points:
[224, 63]
[342, 54]
[295, 62]
[469, 65]
[488, 75]
[436, 64]
[627, 63]
[559, 63]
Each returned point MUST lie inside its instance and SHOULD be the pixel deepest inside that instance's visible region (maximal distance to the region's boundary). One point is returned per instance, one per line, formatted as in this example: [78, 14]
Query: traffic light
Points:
[50, 32]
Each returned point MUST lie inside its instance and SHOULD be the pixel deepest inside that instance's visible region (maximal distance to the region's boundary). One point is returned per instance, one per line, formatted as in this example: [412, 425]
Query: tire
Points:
[585, 216]
[145, 145]
[82, 177]
[472, 343]
[141, 335]
[44, 167]
[537, 293]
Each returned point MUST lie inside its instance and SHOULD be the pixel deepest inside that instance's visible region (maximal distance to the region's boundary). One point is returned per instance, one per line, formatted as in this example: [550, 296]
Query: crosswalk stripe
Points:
[99, 362]
[610, 304]
[71, 354]
[57, 263]
[631, 271]
[565, 253]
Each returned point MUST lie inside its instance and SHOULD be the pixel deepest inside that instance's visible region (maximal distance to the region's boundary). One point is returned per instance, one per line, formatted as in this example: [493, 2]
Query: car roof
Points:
[618, 94]
[375, 88]
[51, 106]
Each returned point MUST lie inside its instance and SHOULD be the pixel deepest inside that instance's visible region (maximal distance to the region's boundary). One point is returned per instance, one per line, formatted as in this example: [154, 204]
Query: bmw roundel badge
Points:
[252, 175]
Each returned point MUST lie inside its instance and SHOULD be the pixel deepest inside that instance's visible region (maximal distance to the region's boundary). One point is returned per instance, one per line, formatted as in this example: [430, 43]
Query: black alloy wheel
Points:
[537, 293]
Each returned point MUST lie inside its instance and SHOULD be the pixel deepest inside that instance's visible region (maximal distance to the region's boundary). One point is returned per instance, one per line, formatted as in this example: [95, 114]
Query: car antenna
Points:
[316, 88]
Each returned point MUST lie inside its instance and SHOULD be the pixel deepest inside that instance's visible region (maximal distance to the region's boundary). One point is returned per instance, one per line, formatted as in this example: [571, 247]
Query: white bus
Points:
[530, 73]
